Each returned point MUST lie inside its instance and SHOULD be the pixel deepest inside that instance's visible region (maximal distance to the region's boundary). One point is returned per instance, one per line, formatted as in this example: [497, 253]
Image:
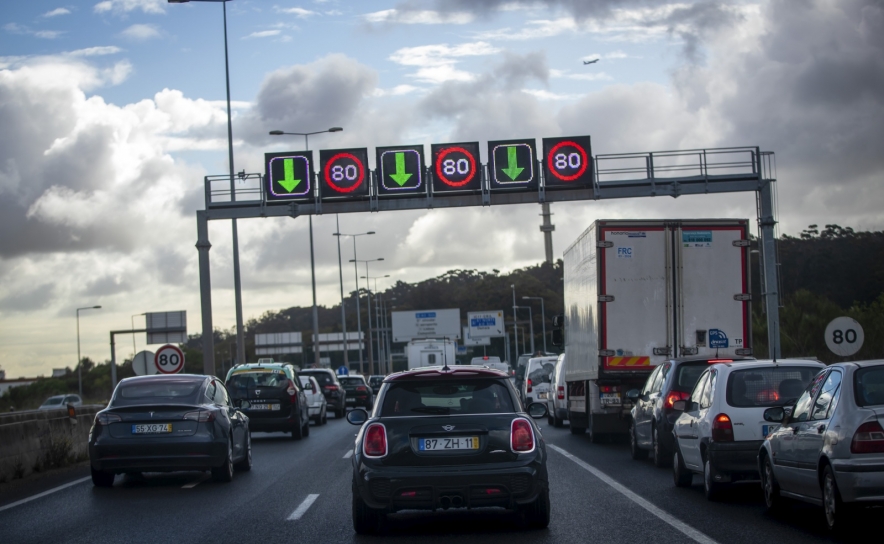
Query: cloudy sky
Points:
[112, 112]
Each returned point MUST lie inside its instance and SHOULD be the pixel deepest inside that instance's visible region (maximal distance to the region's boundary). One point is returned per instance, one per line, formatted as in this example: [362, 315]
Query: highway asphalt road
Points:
[300, 492]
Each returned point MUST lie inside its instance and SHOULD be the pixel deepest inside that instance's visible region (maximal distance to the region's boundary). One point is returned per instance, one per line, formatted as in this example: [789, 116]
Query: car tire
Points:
[305, 431]
[536, 514]
[323, 418]
[341, 412]
[839, 516]
[550, 421]
[769, 486]
[297, 431]
[662, 458]
[711, 488]
[366, 520]
[558, 423]
[680, 473]
[635, 451]
[245, 464]
[224, 473]
[101, 478]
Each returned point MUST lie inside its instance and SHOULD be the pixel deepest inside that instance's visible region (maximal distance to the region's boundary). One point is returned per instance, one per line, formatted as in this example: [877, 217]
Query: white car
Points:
[829, 449]
[60, 402]
[556, 402]
[316, 404]
[536, 386]
[722, 425]
[492, 362]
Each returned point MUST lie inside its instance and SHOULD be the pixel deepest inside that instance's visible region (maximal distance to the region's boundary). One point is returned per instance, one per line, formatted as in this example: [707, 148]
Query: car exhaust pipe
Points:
[456, 501]
[445, 502]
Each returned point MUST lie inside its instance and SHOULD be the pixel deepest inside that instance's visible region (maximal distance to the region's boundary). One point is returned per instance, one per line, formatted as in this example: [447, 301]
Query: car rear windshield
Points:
[868, 386]
[246, 380]
[376, 380]
[686, 376]
[136, 393]
[352, 381]
[324, 378]
[475, 396]
[774, 386]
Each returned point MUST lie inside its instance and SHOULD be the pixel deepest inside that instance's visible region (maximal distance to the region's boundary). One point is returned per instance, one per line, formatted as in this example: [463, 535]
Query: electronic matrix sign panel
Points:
[401, 171]
[456, 167]
[343, 173]
[288, 176]
[512, 164]
[567, 162]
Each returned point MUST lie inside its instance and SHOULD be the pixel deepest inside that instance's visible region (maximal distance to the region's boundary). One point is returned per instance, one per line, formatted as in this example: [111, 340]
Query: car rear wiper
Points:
[431, 410]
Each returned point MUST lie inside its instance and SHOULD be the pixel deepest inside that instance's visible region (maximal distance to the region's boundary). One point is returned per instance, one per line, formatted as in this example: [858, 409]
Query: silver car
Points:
[829, 450]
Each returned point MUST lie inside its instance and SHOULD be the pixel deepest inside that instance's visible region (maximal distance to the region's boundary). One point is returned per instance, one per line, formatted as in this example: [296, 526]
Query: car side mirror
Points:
[558, 338]
[775, 415]
[537, 410]
[633, 394]
[241, 404]
[357, 416]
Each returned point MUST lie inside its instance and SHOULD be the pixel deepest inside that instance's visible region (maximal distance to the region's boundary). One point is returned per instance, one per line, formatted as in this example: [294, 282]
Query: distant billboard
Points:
[486, 324]
[334, 341]
[426, 324]
[166, 327]
[278, 343]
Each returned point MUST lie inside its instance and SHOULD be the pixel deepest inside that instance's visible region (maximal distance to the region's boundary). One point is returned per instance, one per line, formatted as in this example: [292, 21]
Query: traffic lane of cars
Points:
[739, 516]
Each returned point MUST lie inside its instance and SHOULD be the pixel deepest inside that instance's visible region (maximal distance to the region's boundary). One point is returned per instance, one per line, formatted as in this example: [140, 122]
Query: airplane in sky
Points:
[590, 61]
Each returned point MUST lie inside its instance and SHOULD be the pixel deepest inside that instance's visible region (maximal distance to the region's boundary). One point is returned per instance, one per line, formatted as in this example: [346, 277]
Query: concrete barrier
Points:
[38, 440]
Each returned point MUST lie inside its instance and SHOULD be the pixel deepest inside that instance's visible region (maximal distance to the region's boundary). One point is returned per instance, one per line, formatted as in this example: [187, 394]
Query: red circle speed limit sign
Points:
[169, 359]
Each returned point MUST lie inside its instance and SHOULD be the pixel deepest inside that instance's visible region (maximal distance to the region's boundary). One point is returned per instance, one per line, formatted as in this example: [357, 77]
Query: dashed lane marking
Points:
[676, 523]
[43, 494]
[303, 507]
[348, 455]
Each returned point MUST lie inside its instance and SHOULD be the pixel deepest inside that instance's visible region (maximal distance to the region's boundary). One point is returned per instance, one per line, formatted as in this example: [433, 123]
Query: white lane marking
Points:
[348, 455]
[43, 494]
[679, 525]
[196, 482]
[302, 509]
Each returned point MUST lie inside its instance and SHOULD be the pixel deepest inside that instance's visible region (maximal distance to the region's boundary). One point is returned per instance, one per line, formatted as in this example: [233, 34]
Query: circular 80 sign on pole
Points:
[169, 359]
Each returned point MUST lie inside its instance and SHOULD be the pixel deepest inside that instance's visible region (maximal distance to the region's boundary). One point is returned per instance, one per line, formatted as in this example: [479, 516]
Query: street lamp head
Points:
[96, 307]
[352, 260]
[335, 129]
[276, 133]
[370, 232]
[379, 259]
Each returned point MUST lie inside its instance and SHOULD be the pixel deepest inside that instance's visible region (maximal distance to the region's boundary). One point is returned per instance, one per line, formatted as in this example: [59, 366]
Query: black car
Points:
[272, 396]
[653, 415]
[375, 382]
[358, 391]
[169, 423]
[451, 437]
[331, 388]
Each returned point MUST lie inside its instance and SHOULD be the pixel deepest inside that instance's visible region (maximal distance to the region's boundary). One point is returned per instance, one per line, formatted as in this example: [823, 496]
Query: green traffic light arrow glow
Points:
[400, 176]
[289, 182]
[512, 170]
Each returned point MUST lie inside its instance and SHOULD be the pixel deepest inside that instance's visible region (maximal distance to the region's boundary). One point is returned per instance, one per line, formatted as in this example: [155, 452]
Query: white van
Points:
[491, 362]
[557, 402]
[538, 372]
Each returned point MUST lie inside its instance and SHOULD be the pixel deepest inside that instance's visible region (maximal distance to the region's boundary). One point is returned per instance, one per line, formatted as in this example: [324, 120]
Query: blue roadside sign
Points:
[342, 371]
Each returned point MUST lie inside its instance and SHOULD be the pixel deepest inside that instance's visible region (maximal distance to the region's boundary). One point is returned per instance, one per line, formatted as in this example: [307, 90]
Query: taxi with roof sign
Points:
[272, 395]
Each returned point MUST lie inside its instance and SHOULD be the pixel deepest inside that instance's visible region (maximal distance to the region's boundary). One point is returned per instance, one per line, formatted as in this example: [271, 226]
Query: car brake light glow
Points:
[722, 429]
[408, 494]
[106, 419]
[361, 388]
[521, 436]
[713, 361]
[200, 415]
[375, 442]
[330, 387]
[869, 438]
[492, 491]
[609, 388]
[485, 358]
[674, 396]
[561, 392]
[528, 385]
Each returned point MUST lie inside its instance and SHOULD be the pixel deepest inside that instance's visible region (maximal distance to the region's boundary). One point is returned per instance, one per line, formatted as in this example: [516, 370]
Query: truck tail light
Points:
[560, 394]
[528, 386]
[722, 429]
[201, 416]
[869, 438]
[675, 396]
[521, 436]
[375, 442]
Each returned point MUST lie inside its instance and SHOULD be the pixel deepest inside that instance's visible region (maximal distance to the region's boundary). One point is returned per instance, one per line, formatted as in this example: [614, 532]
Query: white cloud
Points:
[398, 90]
[419, 17]
[437, 62]
[15, 28]
[300, 13]
[547, 95]
[125, 6]
[263, 34]
[141, 32]
[56, 12]
[48, 34]
[95, 51]
[594, 76]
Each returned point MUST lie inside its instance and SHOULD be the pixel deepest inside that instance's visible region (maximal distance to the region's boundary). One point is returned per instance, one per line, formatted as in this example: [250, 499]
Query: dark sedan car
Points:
[334, 393]
[451, 437]
[274, 397]
[359, 393]
[169, 423]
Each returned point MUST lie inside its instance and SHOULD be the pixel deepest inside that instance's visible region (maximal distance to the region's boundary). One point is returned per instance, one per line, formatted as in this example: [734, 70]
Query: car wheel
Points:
[341, 412]
[297, 431]
[550, 421]
[711, 488]
[323, 418]
[224, 473]
[661, 456]
[245, 464]
[558, 423]
[306, 429]
[838, 514]
[101, 478]
[366, 520]
[634, 449]
[535, 515]
[772, 499]
[680, 473]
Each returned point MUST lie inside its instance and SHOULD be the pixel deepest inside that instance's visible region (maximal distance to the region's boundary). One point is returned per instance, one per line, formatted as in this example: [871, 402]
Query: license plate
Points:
[152, 428]
[611, 398]
[351, 401]
[541, 395]
[264, 407]
[767, 429]
[442, 444]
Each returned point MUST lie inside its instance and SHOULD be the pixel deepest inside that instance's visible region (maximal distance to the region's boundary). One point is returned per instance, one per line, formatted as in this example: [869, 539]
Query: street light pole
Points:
[530, 327]
[368, 312]
[79, 359]
[542, 318]
[341, 278]
[515, 322]
[376, 313]
[356, 273]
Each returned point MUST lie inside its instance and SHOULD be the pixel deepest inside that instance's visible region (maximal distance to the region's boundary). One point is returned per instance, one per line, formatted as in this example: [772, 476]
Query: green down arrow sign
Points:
[400, 176]
[289, 182]
[512, 168]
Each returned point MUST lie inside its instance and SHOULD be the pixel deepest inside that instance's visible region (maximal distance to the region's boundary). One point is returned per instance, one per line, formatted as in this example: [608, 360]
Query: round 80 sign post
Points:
[844, 336]
[169, 359]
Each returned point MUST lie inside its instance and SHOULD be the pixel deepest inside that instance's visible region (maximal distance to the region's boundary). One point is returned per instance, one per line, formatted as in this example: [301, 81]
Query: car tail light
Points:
[106, 419]
[330, 387]
[722, 429]
[869, 438]
[561, 392]
[375, 442]
[361, 388]
[521, 436]
[493, 491]
[200, 415]
[292, 390]
[528, 385]
[609, 388]
[674, 396]
[713, 361]
[408, 494]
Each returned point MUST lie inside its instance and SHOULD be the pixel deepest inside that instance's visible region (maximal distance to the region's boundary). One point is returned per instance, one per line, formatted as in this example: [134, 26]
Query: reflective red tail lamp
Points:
[408, 494]
[375, 442]
[521, 436]
[674, 396]
[713, 361]
[560, 394]
[722, 429]
[528, 385]
[869, 438]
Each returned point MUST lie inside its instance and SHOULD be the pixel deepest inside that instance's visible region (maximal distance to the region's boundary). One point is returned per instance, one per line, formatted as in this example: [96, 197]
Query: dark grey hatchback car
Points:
[169, 423]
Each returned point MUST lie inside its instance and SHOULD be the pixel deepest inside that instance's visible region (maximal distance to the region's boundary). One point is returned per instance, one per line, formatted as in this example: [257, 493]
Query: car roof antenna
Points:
[444, 355]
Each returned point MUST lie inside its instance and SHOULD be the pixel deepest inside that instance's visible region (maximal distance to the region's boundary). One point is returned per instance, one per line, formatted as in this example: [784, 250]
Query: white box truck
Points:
[640, 292]
[430, 352]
